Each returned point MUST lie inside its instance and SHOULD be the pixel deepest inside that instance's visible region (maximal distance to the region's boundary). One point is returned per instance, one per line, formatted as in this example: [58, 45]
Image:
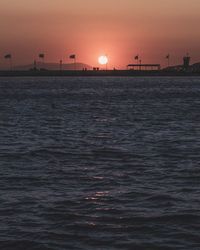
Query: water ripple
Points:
[99, 163]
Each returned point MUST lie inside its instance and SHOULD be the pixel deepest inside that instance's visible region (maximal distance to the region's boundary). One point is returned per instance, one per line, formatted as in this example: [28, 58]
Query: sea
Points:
[100, 163]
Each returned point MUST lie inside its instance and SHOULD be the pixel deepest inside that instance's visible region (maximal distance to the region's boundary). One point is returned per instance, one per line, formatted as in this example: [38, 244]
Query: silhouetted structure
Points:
[60, 65]
[34, 65]
[9, 57]
[182, 67]
[143, 66]
[168, 59]
[186, 62]
[73, 56]
[195, 67]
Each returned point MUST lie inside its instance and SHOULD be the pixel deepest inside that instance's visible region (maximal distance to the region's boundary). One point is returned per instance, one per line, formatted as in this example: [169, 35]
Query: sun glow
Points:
[103, 60]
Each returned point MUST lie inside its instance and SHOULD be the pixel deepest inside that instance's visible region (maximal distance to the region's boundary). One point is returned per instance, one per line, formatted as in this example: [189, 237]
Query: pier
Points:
[143, 67]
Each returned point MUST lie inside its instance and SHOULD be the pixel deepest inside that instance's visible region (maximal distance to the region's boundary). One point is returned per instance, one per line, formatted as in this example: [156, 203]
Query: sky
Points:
[120, 29]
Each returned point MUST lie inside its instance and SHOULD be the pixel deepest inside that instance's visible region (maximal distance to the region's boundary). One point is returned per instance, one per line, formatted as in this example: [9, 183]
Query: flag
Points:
[72, 56]
[8, 56]
[167, 56]
[136, 57]
[41, 55]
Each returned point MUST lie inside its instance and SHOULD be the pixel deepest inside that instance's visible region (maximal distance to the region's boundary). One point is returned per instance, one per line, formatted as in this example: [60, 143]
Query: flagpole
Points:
[60, 65]
[73, 56]
[34, 65]
[42, 57]
[10, 63]
[137, 60]
[75, 63]
[168, 59]
[9, 58]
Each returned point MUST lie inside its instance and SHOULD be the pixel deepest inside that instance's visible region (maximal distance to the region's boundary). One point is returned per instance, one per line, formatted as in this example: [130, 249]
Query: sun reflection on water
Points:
[97, 196]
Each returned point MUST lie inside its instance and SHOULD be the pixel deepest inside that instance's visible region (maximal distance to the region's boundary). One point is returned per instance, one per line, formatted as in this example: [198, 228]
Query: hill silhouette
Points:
[53, 66]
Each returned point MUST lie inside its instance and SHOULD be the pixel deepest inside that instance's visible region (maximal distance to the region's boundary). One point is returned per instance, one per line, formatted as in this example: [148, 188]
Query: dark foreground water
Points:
[99, 163]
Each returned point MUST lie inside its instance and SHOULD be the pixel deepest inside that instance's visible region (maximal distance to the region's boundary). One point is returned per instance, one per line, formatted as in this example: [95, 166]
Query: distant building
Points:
[195, 67]
[148, 67]
[186, 62]
[184, 67]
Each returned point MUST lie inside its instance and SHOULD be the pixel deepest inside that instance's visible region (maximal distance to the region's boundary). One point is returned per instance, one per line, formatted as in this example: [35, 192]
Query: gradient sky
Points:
[89, 28]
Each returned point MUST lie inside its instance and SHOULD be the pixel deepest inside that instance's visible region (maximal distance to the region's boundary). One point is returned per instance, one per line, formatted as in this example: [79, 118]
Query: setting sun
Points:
[103, 60]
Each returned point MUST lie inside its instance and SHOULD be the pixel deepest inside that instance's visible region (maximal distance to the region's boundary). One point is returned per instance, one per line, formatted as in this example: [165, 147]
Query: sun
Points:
[103, 60]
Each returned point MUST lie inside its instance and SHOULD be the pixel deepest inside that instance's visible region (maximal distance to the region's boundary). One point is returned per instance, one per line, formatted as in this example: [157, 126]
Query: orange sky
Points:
[89, 28]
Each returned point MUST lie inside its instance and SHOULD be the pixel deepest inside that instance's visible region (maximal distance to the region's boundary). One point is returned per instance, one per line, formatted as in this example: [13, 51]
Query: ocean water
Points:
[99, 163]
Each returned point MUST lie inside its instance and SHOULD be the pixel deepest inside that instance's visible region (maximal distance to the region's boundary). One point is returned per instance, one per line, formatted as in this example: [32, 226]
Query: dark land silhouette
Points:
[52, 66]
[81, 69]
